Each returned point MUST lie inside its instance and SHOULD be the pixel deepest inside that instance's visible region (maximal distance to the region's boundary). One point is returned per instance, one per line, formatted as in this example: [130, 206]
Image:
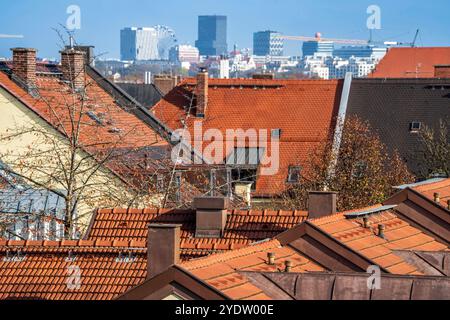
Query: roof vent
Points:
[271, 258]
[381, 229]
[287, 266]
[437, 197]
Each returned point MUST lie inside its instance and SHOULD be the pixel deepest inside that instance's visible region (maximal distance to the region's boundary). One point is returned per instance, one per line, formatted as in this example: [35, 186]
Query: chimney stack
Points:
[89, 57]
[163, 248]
[442, 71]
[73, 67]
[202, 92]
[321, 204]
[24, 66]
[211, 216]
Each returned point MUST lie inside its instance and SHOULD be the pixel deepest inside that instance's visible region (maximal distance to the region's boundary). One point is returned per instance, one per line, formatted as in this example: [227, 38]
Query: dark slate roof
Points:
[146, 94]
[391, 105]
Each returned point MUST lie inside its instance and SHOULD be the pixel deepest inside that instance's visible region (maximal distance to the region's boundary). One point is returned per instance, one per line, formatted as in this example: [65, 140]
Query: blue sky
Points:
[101, 20]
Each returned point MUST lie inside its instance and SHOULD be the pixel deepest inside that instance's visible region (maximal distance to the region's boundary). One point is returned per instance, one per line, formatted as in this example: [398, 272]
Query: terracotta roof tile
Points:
[54, 92]
[441, 187]
[242, 228]
[220, 270]
[236, 104]
[411, 62]
[41, 270]
[398, 235]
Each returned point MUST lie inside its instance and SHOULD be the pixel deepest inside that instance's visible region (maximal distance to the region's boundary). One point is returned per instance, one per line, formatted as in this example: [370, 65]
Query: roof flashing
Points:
[364, 213]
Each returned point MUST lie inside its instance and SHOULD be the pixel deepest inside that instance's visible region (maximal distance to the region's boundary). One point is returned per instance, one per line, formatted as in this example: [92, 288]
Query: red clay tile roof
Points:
[411, 62]
[133, 133]
[441, 187]
[243, 227]
[303, 109]
[399, 235]
[222, 270]
[41, 270]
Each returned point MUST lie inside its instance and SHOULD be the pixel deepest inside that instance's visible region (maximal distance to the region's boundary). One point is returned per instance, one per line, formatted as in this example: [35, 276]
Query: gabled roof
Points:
[222, 271]
[304, 110]
[119, 127]
[398, 235]
[441, 187]
[411, 62]
[417, 206]
[242, 228]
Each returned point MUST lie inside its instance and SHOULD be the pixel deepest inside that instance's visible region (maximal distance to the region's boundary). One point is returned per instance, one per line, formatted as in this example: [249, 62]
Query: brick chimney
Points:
[202, 92]
[24, 66]
[442, 71]
[211, 216]
[165, 83]
[73, 67]
[321, 204]
[89, 57]
[163, 248]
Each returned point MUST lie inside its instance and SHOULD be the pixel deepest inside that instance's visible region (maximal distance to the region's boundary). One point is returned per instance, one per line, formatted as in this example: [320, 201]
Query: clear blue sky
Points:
[102, 20]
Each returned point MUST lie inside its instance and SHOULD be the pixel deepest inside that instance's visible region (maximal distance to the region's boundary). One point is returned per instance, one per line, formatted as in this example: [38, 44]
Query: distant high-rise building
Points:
[146, 43]
[360, 52]
[212, 35]
[267, 43]
[318, 48]
[184, 53]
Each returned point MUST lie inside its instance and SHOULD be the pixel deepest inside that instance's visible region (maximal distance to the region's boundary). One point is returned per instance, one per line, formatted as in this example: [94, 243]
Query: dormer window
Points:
[415, 126]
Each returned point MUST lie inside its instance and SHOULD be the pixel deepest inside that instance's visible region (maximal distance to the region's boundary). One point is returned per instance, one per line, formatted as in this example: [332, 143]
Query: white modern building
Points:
[184, 53]
[138, 44]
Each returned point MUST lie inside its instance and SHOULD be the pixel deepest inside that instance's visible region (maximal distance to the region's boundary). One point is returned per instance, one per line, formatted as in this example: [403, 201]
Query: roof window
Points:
[415, 126]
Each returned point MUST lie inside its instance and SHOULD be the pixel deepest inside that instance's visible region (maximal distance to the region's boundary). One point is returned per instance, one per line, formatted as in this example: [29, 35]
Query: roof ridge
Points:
[73, 243]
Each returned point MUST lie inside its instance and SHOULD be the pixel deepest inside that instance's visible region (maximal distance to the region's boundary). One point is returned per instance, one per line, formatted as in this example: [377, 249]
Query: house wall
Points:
[106, 190]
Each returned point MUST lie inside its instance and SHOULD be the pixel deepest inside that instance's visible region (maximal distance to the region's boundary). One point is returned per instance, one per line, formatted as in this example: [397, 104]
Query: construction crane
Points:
[10, 36]
[318, 37]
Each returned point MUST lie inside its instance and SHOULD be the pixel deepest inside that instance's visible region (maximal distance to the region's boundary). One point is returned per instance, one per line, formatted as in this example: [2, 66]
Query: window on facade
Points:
[294, 174]
[415, 126]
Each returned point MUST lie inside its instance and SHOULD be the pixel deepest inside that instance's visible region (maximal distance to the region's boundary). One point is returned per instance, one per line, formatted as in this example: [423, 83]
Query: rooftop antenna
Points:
[71, 42]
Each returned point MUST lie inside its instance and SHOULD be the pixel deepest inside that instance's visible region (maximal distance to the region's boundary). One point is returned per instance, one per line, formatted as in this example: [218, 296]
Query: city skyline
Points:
[346, 20]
